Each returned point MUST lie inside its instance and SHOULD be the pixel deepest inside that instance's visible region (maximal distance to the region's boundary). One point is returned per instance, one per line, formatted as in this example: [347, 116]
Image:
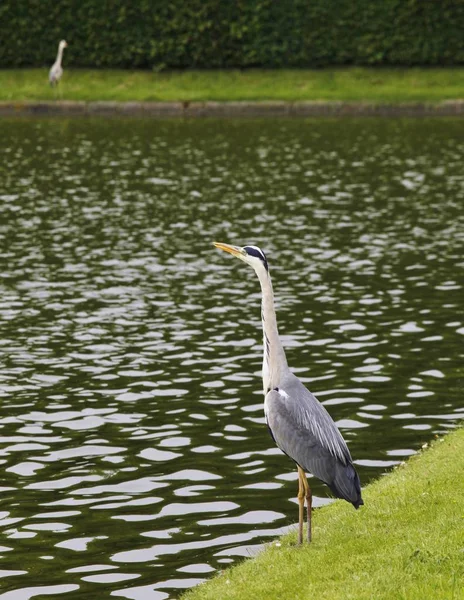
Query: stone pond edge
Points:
[232, 109]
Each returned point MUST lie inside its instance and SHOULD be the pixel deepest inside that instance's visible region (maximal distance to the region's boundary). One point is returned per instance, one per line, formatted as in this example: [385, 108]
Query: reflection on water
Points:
[134, 457]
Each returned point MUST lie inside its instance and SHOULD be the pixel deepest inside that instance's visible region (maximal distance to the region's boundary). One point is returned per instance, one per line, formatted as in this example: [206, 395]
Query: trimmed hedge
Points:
[232, 33]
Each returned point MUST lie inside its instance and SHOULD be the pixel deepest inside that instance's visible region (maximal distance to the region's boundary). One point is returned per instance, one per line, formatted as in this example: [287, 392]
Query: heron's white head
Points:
[63, 44]
[252, 255]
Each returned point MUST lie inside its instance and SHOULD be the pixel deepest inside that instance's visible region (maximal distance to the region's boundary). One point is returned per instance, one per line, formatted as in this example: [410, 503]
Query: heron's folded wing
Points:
[305, 431]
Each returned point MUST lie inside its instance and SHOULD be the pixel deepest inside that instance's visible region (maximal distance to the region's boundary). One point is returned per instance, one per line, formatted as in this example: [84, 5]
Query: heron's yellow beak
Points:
[234, 250]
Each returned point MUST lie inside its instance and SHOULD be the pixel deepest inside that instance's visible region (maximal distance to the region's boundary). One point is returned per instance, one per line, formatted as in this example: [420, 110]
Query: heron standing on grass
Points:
[56, 71]
[299, 424]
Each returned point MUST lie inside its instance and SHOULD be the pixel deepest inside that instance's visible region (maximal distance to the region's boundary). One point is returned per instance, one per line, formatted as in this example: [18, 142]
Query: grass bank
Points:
[407, 542]
[340, 84]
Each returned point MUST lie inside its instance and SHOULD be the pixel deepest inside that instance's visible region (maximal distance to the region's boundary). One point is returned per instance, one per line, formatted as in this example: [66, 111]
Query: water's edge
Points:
[429, 451]
[234, 109]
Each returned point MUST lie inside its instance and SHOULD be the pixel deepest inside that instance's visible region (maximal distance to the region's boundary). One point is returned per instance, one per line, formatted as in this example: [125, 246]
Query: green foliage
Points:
[233, 33]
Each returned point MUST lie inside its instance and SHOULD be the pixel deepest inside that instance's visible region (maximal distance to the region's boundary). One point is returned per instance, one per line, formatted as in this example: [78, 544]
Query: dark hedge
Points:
[232, 33]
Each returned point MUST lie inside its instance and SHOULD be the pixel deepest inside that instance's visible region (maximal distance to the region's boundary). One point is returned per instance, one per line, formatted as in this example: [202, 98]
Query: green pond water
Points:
[134, 455]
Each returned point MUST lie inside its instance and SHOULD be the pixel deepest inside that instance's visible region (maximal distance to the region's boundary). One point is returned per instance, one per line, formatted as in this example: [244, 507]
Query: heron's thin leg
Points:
[309, 504]
[309, 499]
[301, 507]
[301, 499]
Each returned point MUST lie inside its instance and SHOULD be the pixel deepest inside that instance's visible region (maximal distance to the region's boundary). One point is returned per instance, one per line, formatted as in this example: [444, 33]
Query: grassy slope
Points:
[407, 542]
[350, 84]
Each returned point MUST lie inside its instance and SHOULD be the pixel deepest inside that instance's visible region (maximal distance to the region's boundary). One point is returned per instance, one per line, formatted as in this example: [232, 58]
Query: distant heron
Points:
[56, 71]
[299, 424]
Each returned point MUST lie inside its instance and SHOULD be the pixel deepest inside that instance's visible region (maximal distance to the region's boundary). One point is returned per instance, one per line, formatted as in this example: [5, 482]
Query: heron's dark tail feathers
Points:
[346, 484]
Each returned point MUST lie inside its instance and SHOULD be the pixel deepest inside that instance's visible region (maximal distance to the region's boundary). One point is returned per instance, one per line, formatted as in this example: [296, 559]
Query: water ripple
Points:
[135, 455]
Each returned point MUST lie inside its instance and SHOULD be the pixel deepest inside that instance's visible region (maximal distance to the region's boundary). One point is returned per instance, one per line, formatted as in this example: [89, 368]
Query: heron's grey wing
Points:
[305, 431]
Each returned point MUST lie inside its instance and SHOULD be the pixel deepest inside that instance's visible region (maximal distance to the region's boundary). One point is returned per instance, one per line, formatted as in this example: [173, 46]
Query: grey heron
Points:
[299, 424]
[56, 70]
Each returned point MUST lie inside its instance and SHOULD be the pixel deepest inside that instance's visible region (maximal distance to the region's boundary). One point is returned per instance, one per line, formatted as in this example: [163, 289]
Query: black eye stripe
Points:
[254, 252]
[258, 254]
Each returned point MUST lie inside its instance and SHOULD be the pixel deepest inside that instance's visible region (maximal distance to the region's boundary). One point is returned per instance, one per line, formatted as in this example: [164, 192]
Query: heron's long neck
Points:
[59, 56]
[274, 360]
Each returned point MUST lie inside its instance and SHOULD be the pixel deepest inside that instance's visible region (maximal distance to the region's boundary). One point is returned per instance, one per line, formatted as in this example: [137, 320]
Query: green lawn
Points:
[349, 84]
[406, 543]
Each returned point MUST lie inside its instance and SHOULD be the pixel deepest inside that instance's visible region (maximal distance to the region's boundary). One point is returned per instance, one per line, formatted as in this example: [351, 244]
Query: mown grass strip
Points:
[407, 542]
[344, 84]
